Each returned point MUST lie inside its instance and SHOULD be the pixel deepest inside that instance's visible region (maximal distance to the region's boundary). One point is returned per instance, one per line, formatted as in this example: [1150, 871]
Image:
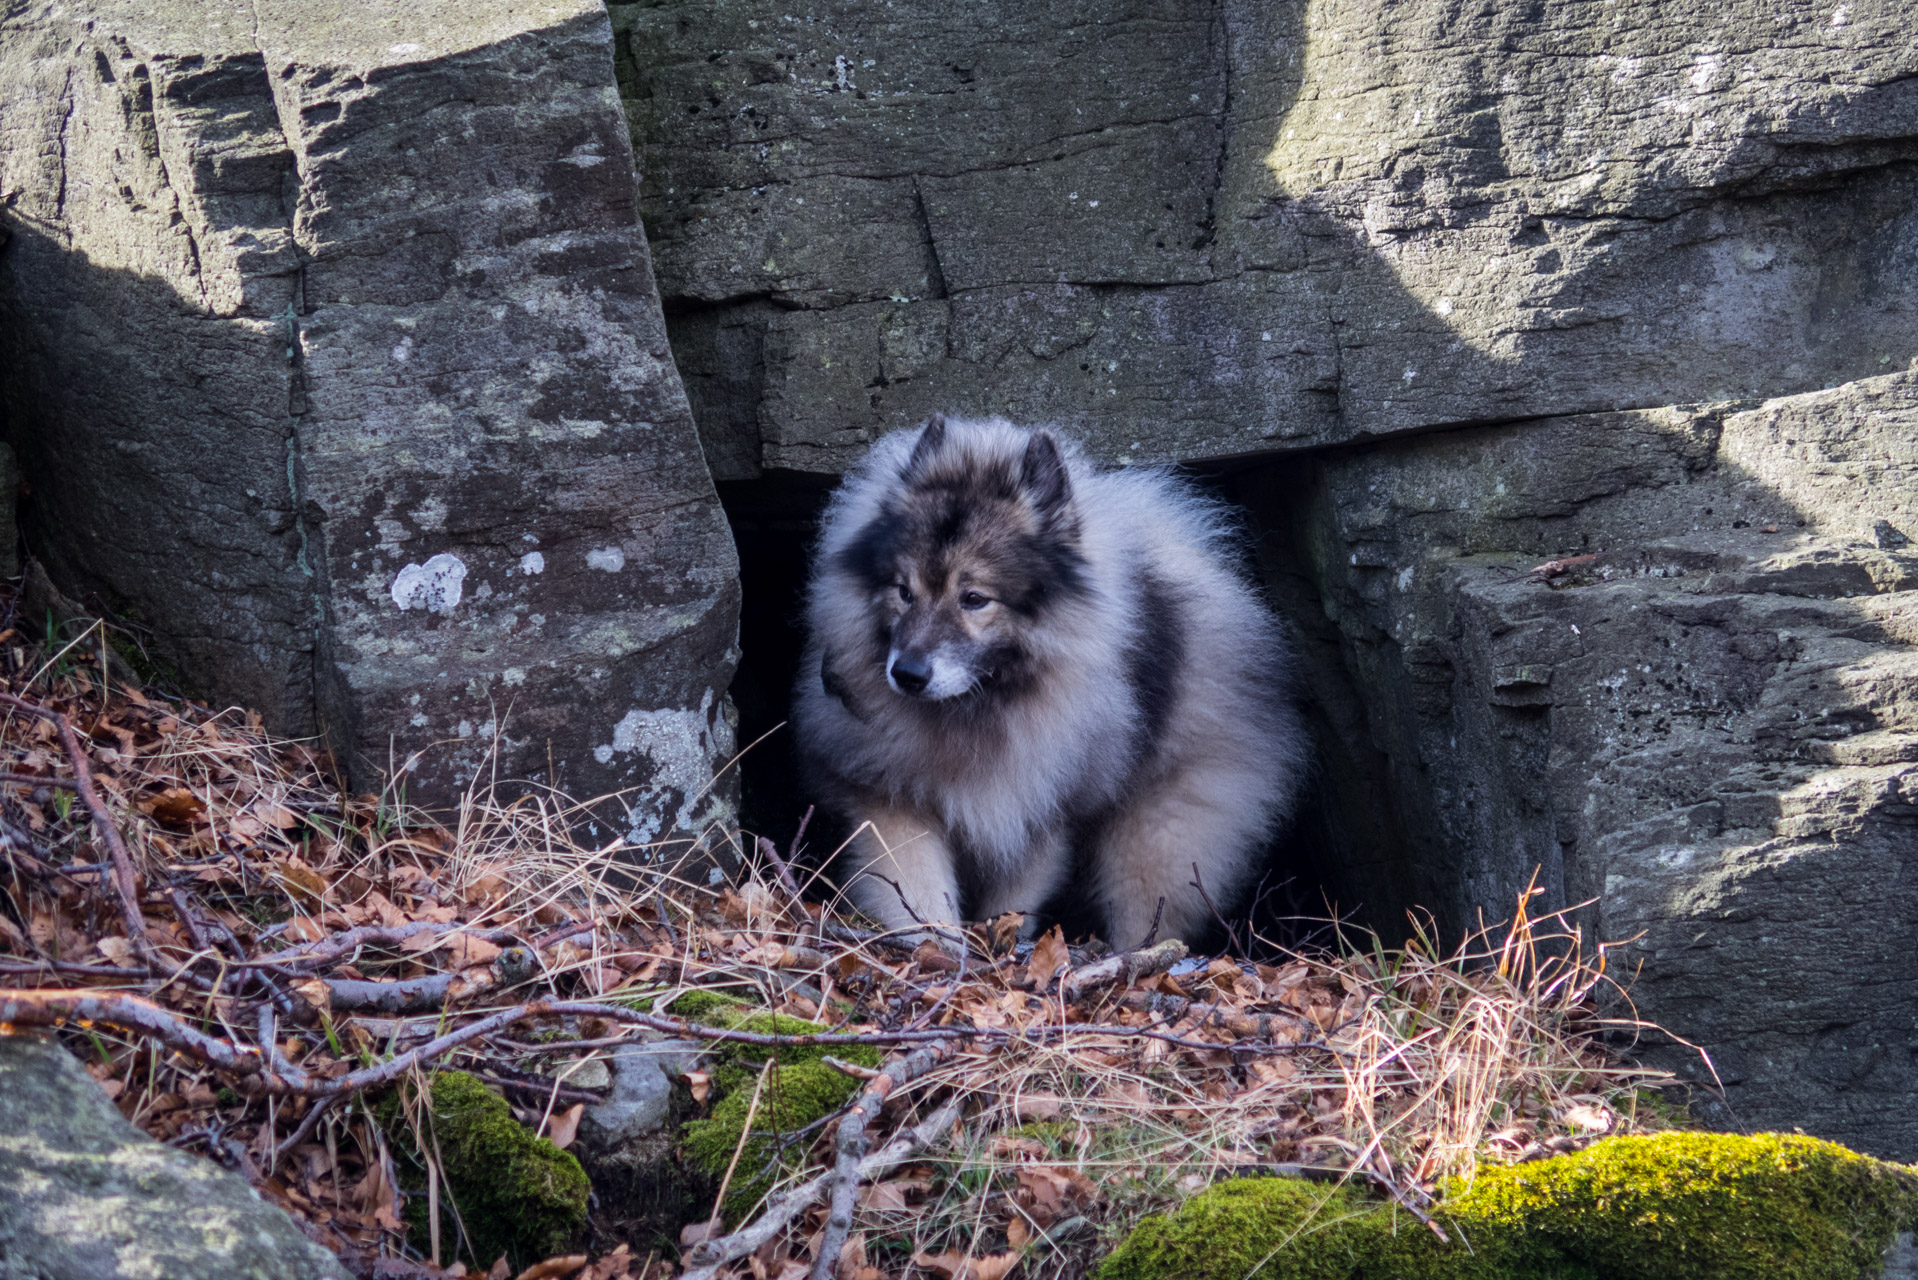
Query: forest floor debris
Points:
[250, 959]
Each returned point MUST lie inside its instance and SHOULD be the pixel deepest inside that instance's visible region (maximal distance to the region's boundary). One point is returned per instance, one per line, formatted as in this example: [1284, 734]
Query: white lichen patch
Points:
[532, 562]
[606, 559]
[681, 744]
[435, 586]
[513, 677]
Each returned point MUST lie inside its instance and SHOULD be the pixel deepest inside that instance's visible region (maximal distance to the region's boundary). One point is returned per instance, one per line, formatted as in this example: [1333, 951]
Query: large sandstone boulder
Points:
[331, 350]
[86, 1196]
[1457, 292]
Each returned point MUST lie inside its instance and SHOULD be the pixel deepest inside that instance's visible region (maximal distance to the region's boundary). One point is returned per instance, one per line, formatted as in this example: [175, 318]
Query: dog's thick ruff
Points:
[1026, 675]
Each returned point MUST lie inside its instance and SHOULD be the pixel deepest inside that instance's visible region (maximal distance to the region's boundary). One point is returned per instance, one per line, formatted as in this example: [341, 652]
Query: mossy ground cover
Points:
[798, 1090]
[505, 1191]
[1696, 1206]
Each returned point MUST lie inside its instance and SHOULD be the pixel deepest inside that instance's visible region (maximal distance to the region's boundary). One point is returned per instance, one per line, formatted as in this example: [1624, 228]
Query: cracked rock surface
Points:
[1454, 294]
[332, 353]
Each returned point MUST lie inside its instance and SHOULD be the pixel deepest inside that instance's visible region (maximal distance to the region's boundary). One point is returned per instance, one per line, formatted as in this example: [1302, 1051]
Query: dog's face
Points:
[963, 562]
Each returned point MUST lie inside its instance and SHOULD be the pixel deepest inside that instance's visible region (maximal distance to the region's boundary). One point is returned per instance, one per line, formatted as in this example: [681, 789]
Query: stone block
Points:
[334, 356]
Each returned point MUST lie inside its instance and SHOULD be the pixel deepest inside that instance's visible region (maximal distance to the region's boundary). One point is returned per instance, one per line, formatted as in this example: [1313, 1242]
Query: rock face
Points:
[332, 353]
[1212, 229]
[86, 1196]
[1453, 294]
[1707, 722]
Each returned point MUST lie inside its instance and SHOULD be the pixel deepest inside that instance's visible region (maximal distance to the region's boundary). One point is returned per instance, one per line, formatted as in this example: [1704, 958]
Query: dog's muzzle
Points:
[910, 675]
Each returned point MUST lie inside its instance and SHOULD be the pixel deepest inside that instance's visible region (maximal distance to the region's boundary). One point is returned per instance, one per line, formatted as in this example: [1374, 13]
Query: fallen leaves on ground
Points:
[1094, 1094]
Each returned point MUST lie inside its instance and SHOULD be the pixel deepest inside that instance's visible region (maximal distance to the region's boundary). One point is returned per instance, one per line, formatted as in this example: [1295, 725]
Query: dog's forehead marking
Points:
[963, 546]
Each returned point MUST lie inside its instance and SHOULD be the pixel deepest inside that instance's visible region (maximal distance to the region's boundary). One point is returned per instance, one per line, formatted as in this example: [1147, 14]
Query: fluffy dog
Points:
[1028, 677]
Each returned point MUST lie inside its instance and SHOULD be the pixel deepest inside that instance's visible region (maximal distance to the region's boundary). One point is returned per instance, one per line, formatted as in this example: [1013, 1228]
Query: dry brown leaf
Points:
[1037, 1107]
[467, 950]
[275, 815]
[613, 1265]
[893, 1195]
[959, 1266]
[1005, 931]
[951, 1263]
[1589, 1119]
[383, 908]
[1048, 957]
[994, 1266]
[118, 950]
[305, 885]
[500, 1270]
[305, 929]
[564, 1127]
[1274, 1069]
[316, 993]
[176, 806]
[1018, 1233]
[553, 1267]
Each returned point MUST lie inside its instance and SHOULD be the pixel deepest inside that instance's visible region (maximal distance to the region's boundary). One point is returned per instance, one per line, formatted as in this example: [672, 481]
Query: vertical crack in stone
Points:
[935, 273]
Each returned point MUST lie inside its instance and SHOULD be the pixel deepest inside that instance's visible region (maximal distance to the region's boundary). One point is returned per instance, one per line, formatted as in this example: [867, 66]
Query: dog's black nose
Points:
[910, 674]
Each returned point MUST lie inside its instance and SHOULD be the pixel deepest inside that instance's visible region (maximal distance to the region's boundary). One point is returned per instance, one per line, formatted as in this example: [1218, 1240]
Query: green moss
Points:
[514, 1194]
[1705, 1206]
[799, 1090]
[1709, 1205]
[698, 1004]
[794, 1097]
[737, 1065]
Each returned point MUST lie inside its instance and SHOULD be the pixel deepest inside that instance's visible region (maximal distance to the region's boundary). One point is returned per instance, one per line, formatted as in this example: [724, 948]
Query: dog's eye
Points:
[973, 600]
[905, 593]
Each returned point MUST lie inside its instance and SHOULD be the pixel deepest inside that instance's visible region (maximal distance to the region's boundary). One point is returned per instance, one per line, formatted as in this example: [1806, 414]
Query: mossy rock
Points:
[1675, 1206]
[513, 1193]
[799, 1090]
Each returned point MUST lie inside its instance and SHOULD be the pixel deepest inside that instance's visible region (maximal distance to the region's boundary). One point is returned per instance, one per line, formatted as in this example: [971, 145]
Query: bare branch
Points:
[850, 1146]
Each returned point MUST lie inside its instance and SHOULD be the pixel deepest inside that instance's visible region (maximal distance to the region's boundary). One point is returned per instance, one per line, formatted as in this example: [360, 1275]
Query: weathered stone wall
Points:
[1456, 292]
[332, 352]
[1211, 229]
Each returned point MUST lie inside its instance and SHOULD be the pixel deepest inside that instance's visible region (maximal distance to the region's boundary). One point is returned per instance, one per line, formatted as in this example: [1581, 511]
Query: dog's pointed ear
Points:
[932, 438]
[1043, 476]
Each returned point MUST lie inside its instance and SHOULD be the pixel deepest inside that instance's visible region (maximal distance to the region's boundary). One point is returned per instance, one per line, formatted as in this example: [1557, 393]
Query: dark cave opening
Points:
[1341, 855]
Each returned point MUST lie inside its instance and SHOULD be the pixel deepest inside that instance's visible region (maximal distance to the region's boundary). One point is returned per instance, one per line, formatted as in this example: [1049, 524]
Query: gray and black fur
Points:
[1027, 676]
